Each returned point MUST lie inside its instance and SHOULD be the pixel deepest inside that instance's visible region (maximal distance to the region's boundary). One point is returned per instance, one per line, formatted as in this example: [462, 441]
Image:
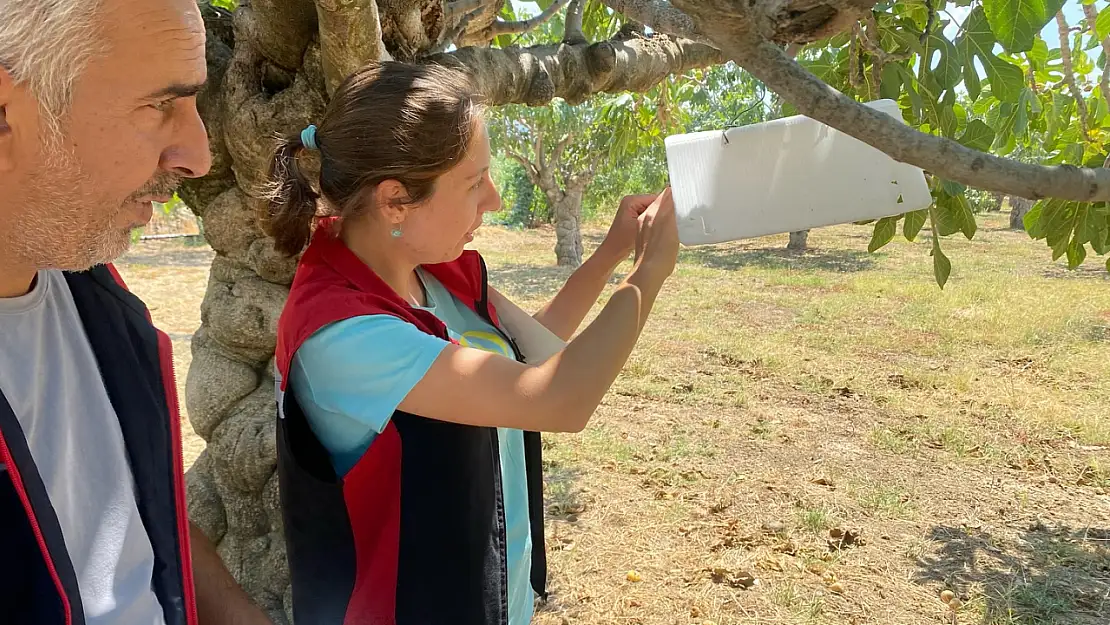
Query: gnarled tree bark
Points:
[564, 191]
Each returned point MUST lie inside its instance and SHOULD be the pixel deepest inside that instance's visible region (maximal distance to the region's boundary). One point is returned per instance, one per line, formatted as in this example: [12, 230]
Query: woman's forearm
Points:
[571, 384]
[565, 312]
[475, 387]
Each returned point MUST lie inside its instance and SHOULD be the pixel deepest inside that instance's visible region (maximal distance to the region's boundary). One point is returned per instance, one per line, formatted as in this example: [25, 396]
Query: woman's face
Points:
[438, 229]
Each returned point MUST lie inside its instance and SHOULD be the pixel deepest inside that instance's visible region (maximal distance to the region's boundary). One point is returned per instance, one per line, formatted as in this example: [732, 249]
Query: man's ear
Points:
[7, 136]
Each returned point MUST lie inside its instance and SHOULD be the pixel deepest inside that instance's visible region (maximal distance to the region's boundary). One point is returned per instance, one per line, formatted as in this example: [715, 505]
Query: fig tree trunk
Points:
[799, 241]
[1019, 206]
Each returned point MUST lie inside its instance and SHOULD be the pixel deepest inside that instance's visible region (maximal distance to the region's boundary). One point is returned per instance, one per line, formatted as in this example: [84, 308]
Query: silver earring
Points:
[396, 232]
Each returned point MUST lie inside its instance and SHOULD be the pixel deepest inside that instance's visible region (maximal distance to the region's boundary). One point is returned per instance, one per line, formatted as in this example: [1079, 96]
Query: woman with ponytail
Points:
[412, 393]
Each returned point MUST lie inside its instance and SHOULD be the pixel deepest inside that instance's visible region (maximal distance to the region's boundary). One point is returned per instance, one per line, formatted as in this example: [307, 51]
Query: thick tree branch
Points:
[284, 29]
[452, 34]
[529, 167]
[660, 16]
[560, 147]
[522, 26]
[350, 37]
[1069, 76]
[535, 75]
[572, 30]
[1104, 81]
[456, 9]
[732, 29]
[541, 158]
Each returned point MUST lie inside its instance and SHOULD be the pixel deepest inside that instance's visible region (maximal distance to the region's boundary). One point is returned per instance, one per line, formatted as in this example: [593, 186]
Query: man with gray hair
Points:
[98, 120]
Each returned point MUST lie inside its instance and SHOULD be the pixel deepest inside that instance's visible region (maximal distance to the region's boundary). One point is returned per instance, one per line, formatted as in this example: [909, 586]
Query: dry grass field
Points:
[818, 438]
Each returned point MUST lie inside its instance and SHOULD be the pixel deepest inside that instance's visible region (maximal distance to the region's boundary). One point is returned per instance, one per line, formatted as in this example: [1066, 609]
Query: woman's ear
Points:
[392, 200]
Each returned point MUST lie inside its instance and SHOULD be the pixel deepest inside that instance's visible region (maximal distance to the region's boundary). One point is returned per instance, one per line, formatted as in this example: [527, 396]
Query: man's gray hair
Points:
[46, 45]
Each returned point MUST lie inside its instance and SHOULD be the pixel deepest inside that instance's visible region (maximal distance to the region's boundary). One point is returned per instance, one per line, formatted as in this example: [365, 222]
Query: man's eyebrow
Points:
[177, 90]
[478, 174]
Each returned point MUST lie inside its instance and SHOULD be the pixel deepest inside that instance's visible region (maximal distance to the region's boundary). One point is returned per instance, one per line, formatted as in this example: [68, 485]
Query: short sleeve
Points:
[350, 376]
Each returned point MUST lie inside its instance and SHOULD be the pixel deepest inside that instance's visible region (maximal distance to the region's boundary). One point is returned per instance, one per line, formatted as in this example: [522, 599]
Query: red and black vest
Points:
[38, 585]
[414, 533]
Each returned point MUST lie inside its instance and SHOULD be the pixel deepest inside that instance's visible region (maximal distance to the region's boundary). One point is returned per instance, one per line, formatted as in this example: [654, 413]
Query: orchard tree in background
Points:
[559, 147]
[974, 78]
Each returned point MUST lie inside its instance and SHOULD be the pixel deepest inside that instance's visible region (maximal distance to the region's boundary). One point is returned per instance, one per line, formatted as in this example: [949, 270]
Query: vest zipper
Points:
[169, 382]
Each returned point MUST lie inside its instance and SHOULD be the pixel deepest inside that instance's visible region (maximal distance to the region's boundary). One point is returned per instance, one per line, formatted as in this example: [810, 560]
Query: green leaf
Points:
[1016, 22]
[891, 82]
[967, 218]
[1102, 23]
[1076, 254]
[950, 67]
[1002, 117]
[1038, 54]
[908, 80]
[946, 216]
[913, 223]
[1006, 79]
[1032, 221]
[942, 267]
[1058, 223]
[884, 232]
[1098, 227]
[977, 136]
[971, 80]
[951, 187]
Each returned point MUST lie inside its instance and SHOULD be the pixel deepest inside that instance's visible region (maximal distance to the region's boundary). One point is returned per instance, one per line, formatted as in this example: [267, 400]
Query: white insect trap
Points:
[785, 175]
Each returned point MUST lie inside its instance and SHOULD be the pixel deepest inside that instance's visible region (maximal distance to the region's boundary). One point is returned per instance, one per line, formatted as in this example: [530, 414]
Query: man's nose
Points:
[188, 154]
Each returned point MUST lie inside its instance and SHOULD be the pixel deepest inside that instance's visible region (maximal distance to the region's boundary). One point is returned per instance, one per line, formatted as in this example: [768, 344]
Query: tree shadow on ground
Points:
[563, 502]
[1043, 576]
[527, 280]
[732, 258]
[562, 492]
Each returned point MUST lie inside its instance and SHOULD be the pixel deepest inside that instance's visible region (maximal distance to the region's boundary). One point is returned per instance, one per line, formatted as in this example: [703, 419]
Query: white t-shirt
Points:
[50, 377]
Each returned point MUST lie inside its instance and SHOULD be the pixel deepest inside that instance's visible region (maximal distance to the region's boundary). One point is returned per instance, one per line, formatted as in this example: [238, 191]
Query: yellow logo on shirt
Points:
[486, 341]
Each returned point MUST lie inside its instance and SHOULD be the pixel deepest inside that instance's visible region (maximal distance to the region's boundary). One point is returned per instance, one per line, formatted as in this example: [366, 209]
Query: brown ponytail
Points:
[387, 121]
[292, 205]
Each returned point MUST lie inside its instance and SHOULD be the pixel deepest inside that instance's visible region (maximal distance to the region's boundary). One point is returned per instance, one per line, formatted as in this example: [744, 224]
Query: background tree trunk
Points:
[568, 232]
[799, 241]
[1019, 206]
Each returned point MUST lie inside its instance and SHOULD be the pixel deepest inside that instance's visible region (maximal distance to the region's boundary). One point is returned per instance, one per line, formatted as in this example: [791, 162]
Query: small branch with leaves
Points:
[736, 32]
[1104, 81]
[1069, 76]
[519, 27]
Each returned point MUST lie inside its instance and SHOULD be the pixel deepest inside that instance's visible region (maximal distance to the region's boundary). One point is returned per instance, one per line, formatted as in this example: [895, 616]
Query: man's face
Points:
[131, 134]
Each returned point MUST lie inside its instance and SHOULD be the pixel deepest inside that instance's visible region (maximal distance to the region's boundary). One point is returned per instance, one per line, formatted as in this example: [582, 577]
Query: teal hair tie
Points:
[308, 137]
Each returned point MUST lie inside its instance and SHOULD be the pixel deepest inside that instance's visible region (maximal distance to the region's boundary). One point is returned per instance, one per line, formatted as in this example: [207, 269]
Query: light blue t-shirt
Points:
[350, 376]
